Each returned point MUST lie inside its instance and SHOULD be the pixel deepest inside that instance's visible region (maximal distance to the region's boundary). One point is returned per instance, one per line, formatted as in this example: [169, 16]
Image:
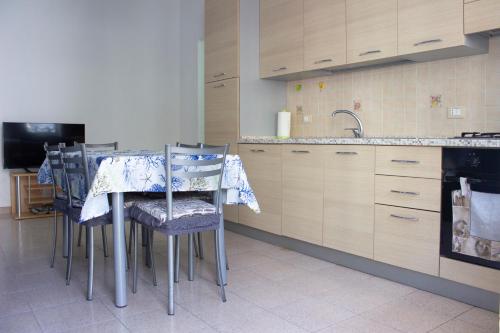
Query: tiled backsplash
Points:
[402, 99]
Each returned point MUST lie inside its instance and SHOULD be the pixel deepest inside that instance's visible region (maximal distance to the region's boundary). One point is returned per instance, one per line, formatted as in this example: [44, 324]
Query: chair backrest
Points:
[53, 155]
[76, 171]
[100, 146]
[209, 163]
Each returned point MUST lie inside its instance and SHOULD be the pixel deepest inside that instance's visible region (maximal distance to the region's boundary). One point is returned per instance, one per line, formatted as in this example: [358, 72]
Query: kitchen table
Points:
[119, 172]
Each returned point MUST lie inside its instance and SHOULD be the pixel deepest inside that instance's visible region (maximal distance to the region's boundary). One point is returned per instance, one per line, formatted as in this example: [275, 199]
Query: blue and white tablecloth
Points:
[144, 171]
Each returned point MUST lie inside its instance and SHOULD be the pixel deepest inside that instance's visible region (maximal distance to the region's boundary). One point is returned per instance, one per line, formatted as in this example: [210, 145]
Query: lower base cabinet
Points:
[263, 168]
[231, 213]
[407, 238]
[349, 199]
[303, 192]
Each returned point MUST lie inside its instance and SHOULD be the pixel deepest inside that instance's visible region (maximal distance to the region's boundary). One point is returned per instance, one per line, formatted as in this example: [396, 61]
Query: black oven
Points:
[470, 211]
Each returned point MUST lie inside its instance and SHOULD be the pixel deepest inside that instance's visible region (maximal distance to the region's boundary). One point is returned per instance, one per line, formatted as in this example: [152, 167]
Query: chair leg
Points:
[54, 241]
[148, 255]
[200, 245]
[152, 256]
[80, 227]
[70, 252]
[130, 239]
[219, 266]
[227, 262]
[177, 257]
[104, 240]
[127, 253]
[170, 271]
[133, 236]
[87, 242]
[90, 277]
[190, 257]
[195, 246]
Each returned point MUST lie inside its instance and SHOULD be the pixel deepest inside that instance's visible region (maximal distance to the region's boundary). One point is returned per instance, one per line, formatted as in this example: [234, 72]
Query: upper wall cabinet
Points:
[372, 29]
[221, 39]
[481, 15]
[281, 37]
[427, 25]
[324, 33]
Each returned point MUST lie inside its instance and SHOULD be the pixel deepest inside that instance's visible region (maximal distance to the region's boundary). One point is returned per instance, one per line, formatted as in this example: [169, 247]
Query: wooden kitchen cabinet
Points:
[481, 15]
[263, 168]
[407, 238]
[222, 20]
[303, 192]
[324, 33]
[281, 37]
[425, 25]
[222, 113]
[349, 199]
[372, 29]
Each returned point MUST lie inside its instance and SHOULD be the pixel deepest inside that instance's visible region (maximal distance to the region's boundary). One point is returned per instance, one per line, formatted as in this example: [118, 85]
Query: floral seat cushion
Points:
[181, 208]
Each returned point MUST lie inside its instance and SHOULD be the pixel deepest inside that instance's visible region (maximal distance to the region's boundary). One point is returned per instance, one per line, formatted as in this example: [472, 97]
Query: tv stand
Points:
[28, 198]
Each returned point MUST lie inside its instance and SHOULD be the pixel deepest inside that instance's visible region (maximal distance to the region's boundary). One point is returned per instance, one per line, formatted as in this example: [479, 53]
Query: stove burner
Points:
[478, 135]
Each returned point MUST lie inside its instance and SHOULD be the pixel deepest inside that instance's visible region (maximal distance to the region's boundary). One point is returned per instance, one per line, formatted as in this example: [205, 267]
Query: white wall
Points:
[260, 100]
[114, 65]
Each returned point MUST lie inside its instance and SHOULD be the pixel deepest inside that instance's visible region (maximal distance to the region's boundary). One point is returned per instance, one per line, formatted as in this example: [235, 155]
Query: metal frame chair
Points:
[60, 205]
[171, 226]
[98, 146]
[75, 164]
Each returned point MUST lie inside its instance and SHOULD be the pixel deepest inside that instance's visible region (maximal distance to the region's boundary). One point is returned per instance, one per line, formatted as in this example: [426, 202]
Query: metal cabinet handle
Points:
[407, 218]
[301, 151]
[219, 85]
[405, 192]
[369, 52]
[257, 150]
[219, 74]
[429, 41]
[346, 153]
[323, 61]
[405, 161]
[280, 69]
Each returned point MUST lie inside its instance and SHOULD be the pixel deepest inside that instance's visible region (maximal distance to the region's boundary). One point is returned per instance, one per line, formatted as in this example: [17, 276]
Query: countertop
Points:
[381, 141]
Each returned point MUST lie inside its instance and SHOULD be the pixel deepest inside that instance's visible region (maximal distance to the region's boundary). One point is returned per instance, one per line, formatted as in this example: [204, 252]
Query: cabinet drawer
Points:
[420, 193]
[349, 196]
[303, 192]
[407, 238]
[422, 162]
[263, 168]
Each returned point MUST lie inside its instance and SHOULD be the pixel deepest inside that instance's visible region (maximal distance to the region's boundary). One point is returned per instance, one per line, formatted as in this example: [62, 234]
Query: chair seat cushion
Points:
[75, 213]
[189, 215]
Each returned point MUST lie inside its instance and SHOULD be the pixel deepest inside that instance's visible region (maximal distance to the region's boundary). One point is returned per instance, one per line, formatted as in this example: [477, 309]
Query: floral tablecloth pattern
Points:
[144, 171]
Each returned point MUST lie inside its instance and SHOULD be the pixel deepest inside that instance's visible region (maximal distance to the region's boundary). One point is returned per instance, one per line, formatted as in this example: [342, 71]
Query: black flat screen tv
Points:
[23, 142]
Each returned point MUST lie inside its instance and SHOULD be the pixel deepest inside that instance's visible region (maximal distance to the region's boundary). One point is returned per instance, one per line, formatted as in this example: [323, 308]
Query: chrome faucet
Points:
[358, 132]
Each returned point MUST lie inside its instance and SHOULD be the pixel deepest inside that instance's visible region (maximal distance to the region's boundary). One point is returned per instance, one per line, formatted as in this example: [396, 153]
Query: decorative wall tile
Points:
[395, 100]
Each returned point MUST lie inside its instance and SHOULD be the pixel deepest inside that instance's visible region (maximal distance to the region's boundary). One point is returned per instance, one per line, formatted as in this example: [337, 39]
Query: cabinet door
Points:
[349, 197]
[425, 25]
[281, 37]
[372, 29]
[222, 113]
[481, 15]
[324, 33]
[262, 165]
[303, 192]
[221, 39]
[407, 238]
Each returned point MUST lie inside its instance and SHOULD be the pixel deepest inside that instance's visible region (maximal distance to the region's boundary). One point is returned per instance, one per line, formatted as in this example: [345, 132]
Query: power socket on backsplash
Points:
[456, 113]
[307, 119]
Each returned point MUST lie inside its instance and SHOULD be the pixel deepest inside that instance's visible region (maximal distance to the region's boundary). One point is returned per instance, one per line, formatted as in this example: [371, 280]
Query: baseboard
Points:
[436, 285]
[4, 210]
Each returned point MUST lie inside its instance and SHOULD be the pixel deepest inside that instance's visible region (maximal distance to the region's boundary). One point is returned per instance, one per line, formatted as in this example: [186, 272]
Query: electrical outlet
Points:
[307, 119]
[456, 113]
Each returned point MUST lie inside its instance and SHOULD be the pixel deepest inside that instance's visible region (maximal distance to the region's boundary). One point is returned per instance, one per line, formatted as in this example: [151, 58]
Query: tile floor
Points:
[270, 289]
